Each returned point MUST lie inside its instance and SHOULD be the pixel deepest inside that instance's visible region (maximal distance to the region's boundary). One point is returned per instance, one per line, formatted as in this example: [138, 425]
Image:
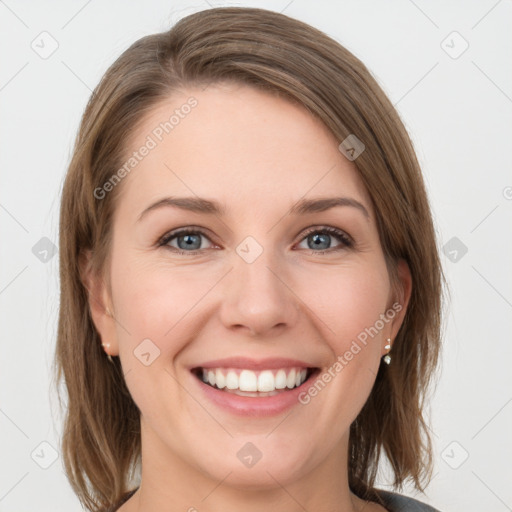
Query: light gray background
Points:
[458, 111]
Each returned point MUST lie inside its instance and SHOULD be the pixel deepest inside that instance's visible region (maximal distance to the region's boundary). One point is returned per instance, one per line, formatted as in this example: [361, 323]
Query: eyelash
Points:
[347, 242]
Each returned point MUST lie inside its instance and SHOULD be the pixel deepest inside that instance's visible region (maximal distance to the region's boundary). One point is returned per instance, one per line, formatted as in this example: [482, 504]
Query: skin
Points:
[257, 155]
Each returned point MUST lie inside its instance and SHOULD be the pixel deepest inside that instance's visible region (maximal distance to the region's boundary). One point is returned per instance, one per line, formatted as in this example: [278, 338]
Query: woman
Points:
[250, 287]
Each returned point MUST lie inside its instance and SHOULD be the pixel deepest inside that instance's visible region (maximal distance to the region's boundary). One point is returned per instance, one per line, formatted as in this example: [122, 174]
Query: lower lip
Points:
[253, 406]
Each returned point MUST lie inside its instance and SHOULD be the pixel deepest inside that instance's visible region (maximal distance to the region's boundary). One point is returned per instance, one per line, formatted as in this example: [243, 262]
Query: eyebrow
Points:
[302, 207]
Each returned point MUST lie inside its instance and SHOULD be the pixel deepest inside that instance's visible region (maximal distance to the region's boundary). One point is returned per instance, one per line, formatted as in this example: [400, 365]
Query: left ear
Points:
[100, 304]
[400, 299]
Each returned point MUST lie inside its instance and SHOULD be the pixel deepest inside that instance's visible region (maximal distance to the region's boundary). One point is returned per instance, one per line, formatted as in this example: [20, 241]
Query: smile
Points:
[246, 382]
[245, 386]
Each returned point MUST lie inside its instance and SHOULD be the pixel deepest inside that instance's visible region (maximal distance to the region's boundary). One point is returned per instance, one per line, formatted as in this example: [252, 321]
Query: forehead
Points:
[239, 145]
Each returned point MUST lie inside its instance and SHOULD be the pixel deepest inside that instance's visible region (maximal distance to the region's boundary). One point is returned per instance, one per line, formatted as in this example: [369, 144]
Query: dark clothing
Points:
[395, 502]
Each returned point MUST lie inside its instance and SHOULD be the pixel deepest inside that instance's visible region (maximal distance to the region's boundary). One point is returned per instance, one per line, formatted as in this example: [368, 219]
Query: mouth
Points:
[254, 383]
[256, 388]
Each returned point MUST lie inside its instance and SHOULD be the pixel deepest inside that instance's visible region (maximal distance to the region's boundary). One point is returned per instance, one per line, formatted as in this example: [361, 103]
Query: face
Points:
[270, 284]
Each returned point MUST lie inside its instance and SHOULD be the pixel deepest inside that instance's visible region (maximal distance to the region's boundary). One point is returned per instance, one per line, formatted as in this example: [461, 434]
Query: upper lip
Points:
[254, 364]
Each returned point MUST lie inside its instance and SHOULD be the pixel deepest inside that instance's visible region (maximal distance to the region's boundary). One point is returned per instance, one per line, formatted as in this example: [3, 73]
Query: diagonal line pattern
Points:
[76, 75]
[14, 486]
[503, 407]
[75, 15]
[217, 486]
[494, 288]
[280, 423]
[417, 83]
[286, 6]
[492, 81]
[13, 279]
[490, 490]
[13, 217]
[424, 14]
[13, 13]
[485, 15]
[14, 424]
[492, 211]
[14, 76]
[287, 492]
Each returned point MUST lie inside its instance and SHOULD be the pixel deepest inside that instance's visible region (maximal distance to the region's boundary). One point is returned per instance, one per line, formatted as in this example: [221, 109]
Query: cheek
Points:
[346, 299]
[156, 301]
[350, 303]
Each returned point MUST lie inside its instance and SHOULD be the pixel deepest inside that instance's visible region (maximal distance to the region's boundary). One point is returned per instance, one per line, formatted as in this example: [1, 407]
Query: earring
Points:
[387, 357]
[109, 357]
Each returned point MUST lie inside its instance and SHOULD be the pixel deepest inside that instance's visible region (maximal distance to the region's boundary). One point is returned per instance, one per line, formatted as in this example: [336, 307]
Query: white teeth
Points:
[280, 379]
[290, 381]
[232, 380]
[247, 381]
[220, 380]
[266, 381]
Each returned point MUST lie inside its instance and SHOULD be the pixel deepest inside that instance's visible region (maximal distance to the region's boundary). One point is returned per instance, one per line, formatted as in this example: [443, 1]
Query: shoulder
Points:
[395, 502]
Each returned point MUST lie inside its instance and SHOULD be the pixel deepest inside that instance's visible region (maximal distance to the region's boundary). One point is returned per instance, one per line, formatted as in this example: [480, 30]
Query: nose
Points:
[257, 298]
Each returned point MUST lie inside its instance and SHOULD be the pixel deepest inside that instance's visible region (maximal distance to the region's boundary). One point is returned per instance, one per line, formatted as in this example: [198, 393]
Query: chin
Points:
[254, 469]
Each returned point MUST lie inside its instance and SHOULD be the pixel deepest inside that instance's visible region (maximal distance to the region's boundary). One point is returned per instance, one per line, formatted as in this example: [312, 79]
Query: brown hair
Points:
[280, 55]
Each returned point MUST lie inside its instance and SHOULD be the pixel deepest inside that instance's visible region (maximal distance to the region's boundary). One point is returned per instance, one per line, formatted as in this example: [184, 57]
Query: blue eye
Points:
[319, 240]
[188, 240]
